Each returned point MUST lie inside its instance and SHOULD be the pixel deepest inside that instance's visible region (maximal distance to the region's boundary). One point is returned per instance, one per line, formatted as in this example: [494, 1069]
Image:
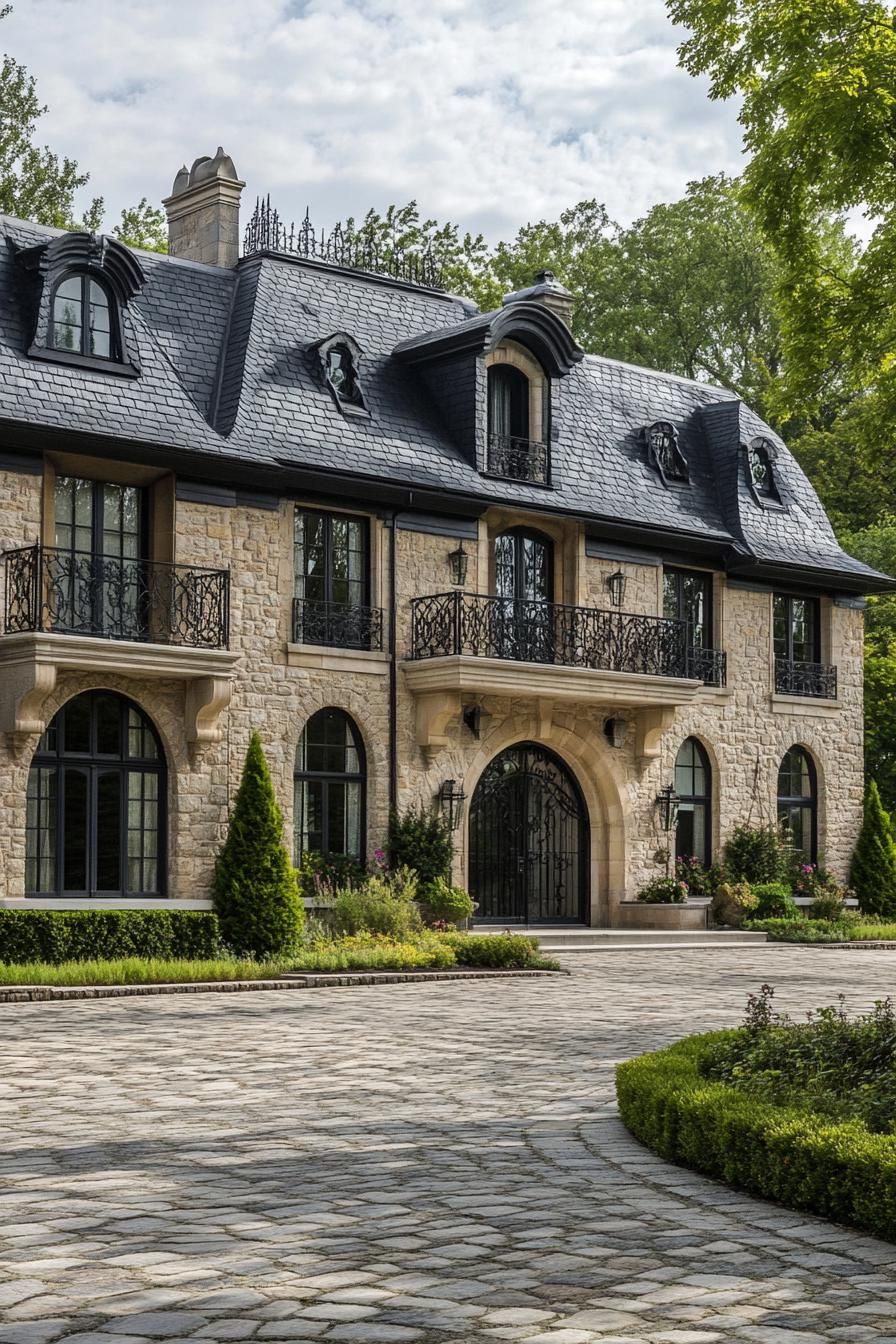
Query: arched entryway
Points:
[96, 802]
[529, 840]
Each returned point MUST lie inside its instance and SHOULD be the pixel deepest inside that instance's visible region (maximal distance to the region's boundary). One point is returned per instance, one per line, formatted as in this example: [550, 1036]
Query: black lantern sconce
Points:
[667, 801]
[616, 587]
[451, 798]
[458, 561]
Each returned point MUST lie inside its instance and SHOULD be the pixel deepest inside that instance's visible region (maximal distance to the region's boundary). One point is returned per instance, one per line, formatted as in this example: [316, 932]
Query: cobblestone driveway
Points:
[431, 1162]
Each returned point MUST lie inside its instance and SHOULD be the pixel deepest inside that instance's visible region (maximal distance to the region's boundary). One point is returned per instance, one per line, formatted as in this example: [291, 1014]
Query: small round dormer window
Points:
[662, 444]
[342, 375]
[761, 471]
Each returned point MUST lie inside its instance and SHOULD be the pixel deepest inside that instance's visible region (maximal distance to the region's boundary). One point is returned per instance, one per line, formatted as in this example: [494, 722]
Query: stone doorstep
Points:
[297, 980]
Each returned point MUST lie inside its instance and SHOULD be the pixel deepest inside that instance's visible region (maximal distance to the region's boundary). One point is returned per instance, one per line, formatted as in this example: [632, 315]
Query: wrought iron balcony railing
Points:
[810, 679]
[519, 459]
[337, 624]
[547, 632]
[78, 593]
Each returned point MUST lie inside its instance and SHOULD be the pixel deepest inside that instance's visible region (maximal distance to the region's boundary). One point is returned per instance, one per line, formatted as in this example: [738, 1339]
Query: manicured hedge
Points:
[838, 1170]
[496, 950]
[55, 936]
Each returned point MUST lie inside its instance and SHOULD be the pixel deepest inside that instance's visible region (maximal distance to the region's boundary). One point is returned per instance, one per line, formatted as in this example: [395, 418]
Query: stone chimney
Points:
[546, 289]
[204, 212]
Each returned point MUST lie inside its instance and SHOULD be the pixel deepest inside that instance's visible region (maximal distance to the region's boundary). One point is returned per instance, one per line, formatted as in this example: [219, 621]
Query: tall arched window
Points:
[798, 803]
[96, 802]
[81, 319]
[330, 782]
[508, 402]
[693, 784]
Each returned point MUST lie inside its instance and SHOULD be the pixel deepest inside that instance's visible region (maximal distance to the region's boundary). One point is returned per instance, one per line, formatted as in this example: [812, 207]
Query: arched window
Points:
[508, 403]
[81, 320]
[798, 803]
[330, 780]
[96, 802]
[665, 452]
[761, 472]
[693, 784]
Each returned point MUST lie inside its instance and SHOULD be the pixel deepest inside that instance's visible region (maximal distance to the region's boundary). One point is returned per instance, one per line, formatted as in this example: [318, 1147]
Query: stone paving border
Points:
[55, 993]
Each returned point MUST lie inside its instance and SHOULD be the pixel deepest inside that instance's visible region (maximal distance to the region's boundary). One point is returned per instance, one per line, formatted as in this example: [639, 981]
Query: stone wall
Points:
[745, 729]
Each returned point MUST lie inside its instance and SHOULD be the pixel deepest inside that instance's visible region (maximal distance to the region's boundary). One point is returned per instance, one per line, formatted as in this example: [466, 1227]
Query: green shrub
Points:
[732, 903]
[420, 839]
[849, 928]
[756, 855]
[873, 875]
[700, 881]
[320, 875]
[774, 901]
[442, 903]
[380, 904]
[55, 936]
[512, 951]
[663, 891]
[785, 1154]
[827, 905]
[255, 889]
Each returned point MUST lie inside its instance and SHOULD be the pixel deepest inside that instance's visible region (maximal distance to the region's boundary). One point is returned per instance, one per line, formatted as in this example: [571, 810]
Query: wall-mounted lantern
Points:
[614, 731]
[616, 587]
[667, 801]
[451, 799]
[458, 561]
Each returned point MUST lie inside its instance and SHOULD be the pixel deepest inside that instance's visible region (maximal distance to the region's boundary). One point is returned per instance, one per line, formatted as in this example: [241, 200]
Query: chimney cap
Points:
[544, 286]
[203, 170]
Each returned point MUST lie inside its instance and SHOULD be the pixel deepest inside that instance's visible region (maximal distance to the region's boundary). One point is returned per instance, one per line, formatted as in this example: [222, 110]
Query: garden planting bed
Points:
[799, 1114]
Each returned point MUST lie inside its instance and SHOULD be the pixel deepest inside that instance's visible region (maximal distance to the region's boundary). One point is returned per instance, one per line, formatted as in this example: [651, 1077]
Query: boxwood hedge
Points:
[838, 1170]
[55, 936]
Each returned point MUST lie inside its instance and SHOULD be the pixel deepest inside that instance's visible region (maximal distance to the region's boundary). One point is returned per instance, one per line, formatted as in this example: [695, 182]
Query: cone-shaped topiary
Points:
[873, 875]
[255, 890]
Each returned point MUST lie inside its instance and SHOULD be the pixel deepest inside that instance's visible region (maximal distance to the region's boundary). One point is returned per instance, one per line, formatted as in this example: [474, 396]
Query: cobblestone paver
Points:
[435, 1162]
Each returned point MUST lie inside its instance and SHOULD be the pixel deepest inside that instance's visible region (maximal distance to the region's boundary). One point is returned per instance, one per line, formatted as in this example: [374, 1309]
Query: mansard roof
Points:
[228, 388]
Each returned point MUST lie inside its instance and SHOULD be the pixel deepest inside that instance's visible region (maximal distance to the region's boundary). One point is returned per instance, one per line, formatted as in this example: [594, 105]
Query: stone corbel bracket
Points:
[650, 725]
[434, 713]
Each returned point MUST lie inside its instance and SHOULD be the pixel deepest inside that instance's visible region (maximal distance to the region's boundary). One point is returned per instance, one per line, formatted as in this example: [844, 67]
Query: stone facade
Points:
[745, 728]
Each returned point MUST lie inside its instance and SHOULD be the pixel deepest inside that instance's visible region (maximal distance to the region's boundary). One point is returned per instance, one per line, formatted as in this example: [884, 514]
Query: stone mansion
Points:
[432, 555]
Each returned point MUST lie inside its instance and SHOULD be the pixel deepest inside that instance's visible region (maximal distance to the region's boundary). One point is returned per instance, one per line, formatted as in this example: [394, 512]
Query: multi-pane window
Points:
[508, 402]
[798, 803]
[95, 802]
[332, 580]
[81, 320]
[330, 777]
[797, 628]
[693, 784]
[96, 583]
[687, 596]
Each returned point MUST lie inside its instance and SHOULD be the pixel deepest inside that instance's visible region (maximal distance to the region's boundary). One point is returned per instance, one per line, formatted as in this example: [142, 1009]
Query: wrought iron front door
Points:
[528, 840]
[524, 581]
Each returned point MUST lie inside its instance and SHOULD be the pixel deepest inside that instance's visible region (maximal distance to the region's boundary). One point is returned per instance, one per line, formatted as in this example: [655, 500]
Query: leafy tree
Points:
[35, 183]
[876, 545]
[817, 80]
[143, 226]
[255, 890]
[873, 875]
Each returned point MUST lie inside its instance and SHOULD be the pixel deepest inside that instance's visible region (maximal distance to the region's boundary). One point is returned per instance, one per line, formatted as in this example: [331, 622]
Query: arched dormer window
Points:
[81, 320]
[761, 472]
[339, 358]
[664, 451]
[518, 414]
[80, 287]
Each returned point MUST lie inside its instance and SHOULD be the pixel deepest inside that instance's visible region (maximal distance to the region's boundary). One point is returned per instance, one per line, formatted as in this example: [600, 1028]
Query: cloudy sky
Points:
[488, 112]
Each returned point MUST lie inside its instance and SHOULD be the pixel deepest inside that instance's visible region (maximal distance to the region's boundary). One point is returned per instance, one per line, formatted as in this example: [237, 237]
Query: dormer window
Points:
[760, 471]
[81, 320]
[518, 406]
[663, 448]
[339, 359]
[508, 402]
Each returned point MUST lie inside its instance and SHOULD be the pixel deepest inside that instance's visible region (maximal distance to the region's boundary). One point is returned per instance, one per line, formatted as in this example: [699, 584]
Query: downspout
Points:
[393, 670]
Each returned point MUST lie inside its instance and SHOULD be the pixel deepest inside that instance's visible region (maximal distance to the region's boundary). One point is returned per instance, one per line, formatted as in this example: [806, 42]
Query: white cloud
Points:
[490, 114]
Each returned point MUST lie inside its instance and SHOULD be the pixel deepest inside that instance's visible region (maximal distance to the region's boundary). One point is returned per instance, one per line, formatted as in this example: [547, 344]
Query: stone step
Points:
[566, 939]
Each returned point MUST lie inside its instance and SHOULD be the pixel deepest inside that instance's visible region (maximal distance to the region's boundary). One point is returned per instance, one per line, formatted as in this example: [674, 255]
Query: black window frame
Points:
[92, 763]
[510, 385]
[325, 621]
[694, 800]
[805, 802]
[767, 496]
[86, 278]
[706, 580]
[786, 649]
[329, 780]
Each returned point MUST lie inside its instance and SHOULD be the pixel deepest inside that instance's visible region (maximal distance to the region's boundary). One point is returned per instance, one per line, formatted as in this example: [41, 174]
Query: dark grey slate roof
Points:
[226, 373]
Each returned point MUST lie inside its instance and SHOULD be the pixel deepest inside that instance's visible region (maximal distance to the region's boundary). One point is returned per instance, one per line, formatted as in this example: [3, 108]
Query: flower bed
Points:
[790, 1113]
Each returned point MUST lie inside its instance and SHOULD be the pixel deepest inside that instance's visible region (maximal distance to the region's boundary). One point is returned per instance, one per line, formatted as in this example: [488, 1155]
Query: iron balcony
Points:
[337, 625]
[47, 589]
[519, 459]
[472, 625]
[816, 680]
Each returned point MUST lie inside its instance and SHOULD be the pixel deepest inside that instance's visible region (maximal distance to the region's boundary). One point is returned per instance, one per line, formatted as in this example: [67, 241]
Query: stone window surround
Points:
[518, 357]
[158, 483]
[797, 704]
